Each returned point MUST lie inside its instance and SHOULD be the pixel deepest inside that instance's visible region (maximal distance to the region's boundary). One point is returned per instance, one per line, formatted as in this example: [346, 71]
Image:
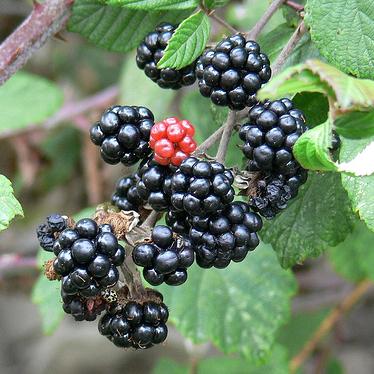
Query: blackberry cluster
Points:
[87, 257]
[178, 221]
[47, 231]
[165, 258]
[154, 184]
[136, 325]
[226, 236]
[274, 192]
[126, 195]
[201, 187]
[269, 136]
[80, 308]
[150, 52]
[123, 134]
[233, 72]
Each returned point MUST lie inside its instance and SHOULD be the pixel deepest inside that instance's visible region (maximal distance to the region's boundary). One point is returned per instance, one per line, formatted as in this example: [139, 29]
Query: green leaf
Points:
[343, 31]
[166, 365]
[360, 189]
[355, 124]
[187, 43]
[311, 149]
[9, 205]
[248, 305]
[147, 93]
[213, 4]
[291, 16]
[114, 28]
[155, 4]
[309, 224]
[41, 98]
[353, 258]
[348, 93]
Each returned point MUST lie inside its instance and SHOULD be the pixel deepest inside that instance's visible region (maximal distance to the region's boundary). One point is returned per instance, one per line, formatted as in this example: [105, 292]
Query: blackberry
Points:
[126, 195]
[274, 192]
[48, 231]
[150, 52]
[178, 221]
[136, 325]
[154, 183]
[82, 309]
[164, 259]
[201, 187]
[226, 236]
[335, 142]
[233, 72]
[87, 258]
[269, 136]
[123, 134]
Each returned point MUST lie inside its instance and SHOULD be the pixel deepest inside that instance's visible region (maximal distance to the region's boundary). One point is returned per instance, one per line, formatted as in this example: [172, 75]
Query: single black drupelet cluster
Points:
[47, 231]
[178, 221]
[150, 52]
[226, 236]
[165, 258]
[136, 325]
[123, 134]
[87, 257]
[126, 196]
[233, 72]
[201, 187]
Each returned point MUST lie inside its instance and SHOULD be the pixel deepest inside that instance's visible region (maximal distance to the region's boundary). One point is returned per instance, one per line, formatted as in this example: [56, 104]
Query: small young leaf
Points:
[41, 98]
[114, 28]
[187, 42]
[349, 93]
[309, 224]
[248, 305]
[9, 205]
[155, 4]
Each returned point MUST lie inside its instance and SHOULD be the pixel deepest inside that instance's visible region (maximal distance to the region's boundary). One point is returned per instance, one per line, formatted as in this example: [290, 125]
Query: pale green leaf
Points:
[9, 205]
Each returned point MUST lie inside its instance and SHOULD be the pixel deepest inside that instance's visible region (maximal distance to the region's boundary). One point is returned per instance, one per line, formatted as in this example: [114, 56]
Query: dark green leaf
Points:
[155, 4]
[309, 224]
[115, 28]
[187, 43]
[41, 98]
[343, 31]
[213, 4]
[248, 305]
[355, 124]
[9, 205]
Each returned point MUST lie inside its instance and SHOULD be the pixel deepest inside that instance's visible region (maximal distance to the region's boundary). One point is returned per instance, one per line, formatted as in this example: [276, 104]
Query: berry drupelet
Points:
[150, 52]
[233, 72]
[126, 195]
[87, 258]
[48, 231]
[269, 136]
[226, 236]
[201, 187]
[136, 325]
[172, 141]
[178, 221]
[123, 134]
[164, 259]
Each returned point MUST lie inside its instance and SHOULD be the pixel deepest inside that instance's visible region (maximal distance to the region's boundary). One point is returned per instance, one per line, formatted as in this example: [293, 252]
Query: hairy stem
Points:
[329, 322]
[224, 143]
[45, 20]
[261, 23]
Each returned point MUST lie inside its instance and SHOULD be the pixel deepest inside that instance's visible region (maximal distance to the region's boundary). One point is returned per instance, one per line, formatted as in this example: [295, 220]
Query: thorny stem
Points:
[329, 322]
[222, 22]
[224, 143]
[209, 142]
[10, 263]
[261, 23]
[44, 21]
[294, 5]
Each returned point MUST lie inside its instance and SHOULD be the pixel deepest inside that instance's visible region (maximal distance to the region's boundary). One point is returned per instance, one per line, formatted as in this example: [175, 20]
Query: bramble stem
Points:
[224, 143]
[209, 142]
[222, 22]
[294, 5]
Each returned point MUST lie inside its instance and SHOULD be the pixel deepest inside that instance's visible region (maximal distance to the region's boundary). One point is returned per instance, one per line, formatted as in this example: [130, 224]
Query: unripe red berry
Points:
[158, 130]
[164, 148]
[175, 132]
[187, 145]
[178, 157]
[190, 130]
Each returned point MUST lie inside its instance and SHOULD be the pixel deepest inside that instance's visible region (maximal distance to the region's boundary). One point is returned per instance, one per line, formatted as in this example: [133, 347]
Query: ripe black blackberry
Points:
[273, 192]
[226, 236]
[178, 221]
[153, 185]
[126, 195]
[233, 72]
[123, 134]
[150, 52]
[87, 258]
[201, 187]
[335, 142]
[164, 259]
[269, 136]
[136, 325]
[48, 230]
